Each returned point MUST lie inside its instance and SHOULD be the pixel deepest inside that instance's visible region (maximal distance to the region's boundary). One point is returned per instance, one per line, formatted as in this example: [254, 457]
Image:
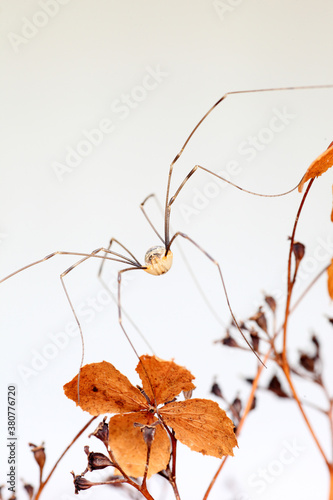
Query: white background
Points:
[67, 78]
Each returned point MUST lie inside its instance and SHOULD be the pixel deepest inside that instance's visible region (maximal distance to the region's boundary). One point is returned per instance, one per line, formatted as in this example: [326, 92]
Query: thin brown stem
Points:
[44, 483]
[290, 283]
[286, 371]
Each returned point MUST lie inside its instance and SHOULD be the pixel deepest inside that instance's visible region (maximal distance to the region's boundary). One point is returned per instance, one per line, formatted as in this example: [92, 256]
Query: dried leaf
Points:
[103, 389]
[330, 279]
[202, 425]
[322, 163]
[166, 379]
[332, 208]
[129, 448]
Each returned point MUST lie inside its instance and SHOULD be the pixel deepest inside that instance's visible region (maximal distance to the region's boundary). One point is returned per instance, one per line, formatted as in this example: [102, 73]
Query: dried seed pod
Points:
[307, 362]
[39, 454]
[237, 406]
[148, 432]
[97, 461]
[275, 386]
[81, 483]
[255, 339]
[216, 390]
[260, 319]
[270, 301]
[29, 489]
[102, 432]
[298, 251]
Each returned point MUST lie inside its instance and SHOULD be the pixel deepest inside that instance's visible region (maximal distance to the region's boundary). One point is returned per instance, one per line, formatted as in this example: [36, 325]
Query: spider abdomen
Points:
[157, 262]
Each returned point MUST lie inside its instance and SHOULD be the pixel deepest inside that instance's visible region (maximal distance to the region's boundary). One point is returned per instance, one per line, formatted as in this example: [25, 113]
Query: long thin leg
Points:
[120, 319]
[123, 259]
[189, 268]
[167, 207]
[113, 240]
[183, 235]
[147, 218]
[73, 266]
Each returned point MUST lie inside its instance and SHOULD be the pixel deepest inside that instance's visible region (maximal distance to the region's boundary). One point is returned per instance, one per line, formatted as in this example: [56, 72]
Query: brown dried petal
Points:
[103, 389]
[201, 425]
[165, 379]
[322, 163]
[129, 448]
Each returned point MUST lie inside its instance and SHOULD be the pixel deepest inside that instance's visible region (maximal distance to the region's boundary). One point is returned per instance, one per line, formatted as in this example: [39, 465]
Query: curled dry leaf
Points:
[332, 207]
[198, 423]
[330, 279]
[318, 166]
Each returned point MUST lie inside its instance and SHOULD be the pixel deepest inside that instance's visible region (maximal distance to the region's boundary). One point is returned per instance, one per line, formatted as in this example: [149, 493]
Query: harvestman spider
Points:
[158, 259]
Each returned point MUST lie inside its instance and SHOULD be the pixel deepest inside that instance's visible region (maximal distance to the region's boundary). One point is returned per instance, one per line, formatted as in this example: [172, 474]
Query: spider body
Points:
[157, 262]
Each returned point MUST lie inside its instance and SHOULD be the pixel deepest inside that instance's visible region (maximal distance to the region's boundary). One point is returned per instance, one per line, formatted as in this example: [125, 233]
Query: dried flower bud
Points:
[29, 489]
[216, 390]
[255, 339]
[260, 319]
[102, 432]
[188, 394]
[275, 386]
[299, 251]
[270, 301]
[96, 460]
[39, 454]
[81, 483]
[228, 340]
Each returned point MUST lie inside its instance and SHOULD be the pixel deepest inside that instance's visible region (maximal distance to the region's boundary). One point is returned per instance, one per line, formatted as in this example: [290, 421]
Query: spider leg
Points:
[113, 240]
[146, 216]
[185, 236]
[62, 275]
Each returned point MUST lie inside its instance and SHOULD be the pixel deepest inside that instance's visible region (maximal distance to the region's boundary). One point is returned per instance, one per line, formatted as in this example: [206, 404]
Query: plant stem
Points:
[290, 284]
[44, 483]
